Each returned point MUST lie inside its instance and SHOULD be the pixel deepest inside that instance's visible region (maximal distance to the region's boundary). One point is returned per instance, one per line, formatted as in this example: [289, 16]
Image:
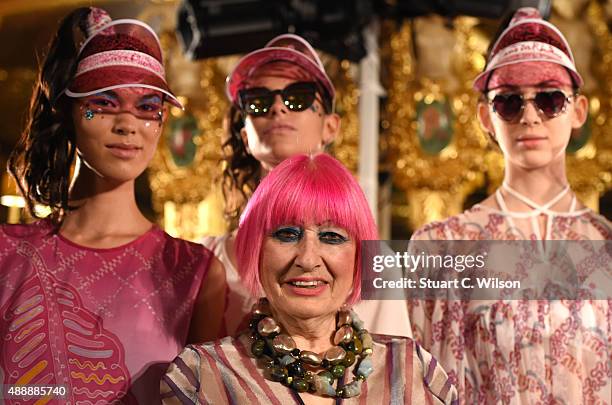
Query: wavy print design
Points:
[49, 338]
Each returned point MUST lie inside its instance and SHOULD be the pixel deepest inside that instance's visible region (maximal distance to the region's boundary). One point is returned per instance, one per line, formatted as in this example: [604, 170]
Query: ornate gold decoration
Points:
[435, 185]
[346, 146]
[187, 195]
[589, 168]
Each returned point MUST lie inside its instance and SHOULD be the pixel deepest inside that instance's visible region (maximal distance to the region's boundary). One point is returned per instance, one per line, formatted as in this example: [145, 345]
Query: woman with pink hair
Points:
[299, 245]
[519, 351]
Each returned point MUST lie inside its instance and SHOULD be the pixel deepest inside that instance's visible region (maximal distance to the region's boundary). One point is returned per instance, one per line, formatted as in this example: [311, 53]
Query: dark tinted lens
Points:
[550, 102]
[299, 96]
[256, 101]
[508, 106]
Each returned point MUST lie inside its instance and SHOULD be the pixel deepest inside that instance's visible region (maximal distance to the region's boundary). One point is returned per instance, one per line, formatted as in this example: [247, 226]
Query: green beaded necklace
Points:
[283, 362]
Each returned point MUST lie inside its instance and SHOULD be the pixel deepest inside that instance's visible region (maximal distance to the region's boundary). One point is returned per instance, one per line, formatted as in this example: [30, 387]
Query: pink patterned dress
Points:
[520, 352]
[104, 323]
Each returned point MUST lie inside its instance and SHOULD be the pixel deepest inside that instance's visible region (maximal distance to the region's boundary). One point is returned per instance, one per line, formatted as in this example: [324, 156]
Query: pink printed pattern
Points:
[520, 352]
[97, 19]
[121, 58]
[100, 321]
[46, 327]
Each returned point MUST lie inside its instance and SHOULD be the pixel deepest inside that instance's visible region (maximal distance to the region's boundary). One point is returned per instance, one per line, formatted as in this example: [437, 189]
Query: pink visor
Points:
[119, 54]
[529, 38]
[287, 47]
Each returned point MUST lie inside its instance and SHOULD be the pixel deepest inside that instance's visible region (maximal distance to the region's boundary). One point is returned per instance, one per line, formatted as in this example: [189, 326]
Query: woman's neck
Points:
[106, 213]
[539, 185]
[313, 334]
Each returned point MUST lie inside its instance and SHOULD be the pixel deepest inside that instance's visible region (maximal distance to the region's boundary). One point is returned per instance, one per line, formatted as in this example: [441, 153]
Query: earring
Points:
[89, 114]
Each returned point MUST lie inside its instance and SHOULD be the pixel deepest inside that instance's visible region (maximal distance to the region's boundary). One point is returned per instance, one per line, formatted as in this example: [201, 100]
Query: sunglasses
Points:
[510, 106]
[257, 101]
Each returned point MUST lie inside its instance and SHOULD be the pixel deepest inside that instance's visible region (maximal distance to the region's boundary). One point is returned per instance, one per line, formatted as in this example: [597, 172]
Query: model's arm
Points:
[207, 319]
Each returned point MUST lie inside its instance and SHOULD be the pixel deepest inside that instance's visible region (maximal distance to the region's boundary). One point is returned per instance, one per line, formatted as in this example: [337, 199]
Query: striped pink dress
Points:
[225, 372]
[104, 323]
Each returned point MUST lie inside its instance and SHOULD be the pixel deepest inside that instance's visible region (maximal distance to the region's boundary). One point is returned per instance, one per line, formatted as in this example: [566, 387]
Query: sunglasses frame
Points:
[242, 102]
[520, 112]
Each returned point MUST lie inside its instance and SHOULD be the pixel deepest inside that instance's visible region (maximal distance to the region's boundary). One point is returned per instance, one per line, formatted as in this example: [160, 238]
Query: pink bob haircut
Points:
[303, 189]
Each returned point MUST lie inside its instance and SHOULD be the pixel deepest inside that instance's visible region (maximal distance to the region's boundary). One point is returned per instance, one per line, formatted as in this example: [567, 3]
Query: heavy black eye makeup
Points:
[332, 238]
[288, 233]
[296, 233]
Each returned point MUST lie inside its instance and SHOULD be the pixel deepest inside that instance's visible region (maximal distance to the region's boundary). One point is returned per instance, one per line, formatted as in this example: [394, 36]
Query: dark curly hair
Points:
[40, 162]
[241, 171]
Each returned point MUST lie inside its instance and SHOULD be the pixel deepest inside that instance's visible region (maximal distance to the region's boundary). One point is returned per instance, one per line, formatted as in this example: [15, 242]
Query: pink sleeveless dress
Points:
[104, 323]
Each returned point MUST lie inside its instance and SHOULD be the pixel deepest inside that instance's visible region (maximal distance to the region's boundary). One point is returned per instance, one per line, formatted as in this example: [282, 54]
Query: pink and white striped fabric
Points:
[224, 372]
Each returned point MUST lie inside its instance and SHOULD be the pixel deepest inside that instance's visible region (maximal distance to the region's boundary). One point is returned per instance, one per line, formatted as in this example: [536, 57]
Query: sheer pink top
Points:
[520, 352]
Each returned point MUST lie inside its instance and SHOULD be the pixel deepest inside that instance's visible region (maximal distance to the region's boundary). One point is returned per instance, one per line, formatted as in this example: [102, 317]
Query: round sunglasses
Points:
[510, 106]
[257, 101]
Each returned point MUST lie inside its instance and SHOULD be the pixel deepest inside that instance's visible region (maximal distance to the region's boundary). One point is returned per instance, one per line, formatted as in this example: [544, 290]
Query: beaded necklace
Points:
[283, 362]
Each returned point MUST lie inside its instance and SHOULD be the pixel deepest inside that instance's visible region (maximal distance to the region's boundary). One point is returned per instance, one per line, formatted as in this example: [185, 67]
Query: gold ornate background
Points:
[436, 186]
[426, 61]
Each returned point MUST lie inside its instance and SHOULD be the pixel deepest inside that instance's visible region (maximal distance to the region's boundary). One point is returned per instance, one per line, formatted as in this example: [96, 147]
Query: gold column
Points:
[436, 178]
[346, 146]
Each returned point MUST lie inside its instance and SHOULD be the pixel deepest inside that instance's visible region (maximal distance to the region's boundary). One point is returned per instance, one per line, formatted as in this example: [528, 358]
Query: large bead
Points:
[327, 376]
[323, 387]
[296, 369]
[335, 355]
[338, 370]
[257, 348]
[299, 385]
[358, 345]
[350, 390]
[267, 327]
[262, 307]
[311, 358]
[286, 360]
[357, 322]
[278, 373]
[309, 377]
[344, 318]
[283, 344]
[343, 335]
[349, 360]
[366, 341]
[365, 368]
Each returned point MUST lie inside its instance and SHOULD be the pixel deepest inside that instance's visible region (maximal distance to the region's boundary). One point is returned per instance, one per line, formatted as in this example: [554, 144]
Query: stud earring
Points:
[89, 114]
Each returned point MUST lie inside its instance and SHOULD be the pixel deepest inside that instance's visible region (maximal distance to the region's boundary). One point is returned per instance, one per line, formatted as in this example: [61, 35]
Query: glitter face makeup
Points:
[148, 107]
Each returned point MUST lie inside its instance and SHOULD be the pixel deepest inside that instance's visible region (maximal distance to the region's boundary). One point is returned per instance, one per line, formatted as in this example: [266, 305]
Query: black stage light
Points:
[451, 8]
[209, 28]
